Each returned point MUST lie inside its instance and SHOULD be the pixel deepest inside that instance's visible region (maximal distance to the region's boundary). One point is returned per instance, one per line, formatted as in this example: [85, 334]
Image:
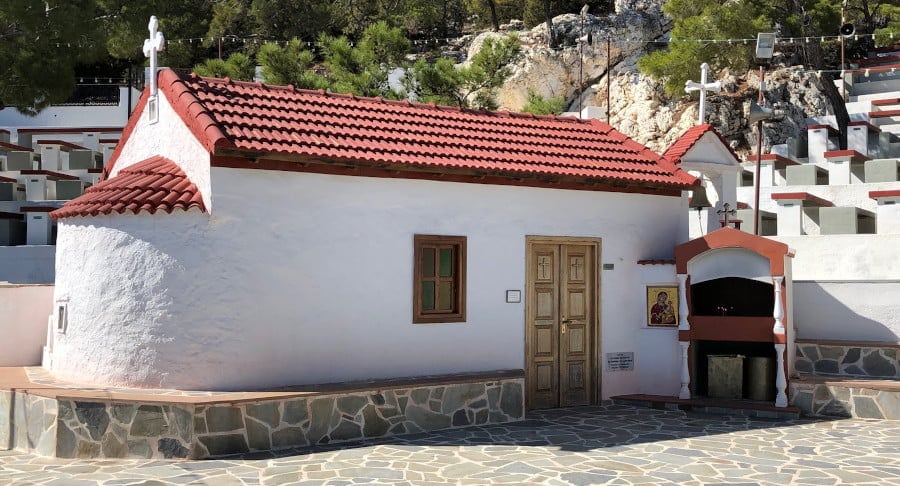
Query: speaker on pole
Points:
[847, 30]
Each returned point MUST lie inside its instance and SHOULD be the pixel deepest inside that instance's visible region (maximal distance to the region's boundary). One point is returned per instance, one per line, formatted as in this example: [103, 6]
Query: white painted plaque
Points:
[620, 361]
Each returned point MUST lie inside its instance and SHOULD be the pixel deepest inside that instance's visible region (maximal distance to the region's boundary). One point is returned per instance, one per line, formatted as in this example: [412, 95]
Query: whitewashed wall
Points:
[658, 356]
[170, 138]
[302, 278]
[23, 323]
[846, 286]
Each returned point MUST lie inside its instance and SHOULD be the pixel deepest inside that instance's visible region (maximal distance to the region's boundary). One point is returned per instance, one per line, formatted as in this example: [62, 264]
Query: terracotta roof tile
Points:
[152, 185]
[261, 119]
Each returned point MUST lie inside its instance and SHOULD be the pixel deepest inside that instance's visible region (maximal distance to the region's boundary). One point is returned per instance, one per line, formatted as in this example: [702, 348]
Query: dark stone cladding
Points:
[203, 427]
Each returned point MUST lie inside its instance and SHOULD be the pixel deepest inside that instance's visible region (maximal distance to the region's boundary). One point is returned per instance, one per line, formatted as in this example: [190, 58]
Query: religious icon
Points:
[662, 306]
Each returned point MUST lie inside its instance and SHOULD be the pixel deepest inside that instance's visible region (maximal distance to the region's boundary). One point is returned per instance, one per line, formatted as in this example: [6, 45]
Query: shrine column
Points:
[684, 329]
[780, 336]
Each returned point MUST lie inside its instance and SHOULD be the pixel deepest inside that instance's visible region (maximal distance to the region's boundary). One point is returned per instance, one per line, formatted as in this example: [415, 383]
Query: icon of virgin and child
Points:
[663, 311]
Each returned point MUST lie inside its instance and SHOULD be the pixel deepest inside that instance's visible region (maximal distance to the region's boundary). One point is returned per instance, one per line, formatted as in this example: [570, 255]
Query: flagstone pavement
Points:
[607, 444]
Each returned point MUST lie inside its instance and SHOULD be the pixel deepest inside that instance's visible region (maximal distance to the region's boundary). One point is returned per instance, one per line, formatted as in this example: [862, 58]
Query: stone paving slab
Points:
[608, 444]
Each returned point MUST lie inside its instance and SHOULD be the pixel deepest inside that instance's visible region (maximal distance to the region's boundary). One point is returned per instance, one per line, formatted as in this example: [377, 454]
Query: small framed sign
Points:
[513, 296]
[620, 361]
[662, 306]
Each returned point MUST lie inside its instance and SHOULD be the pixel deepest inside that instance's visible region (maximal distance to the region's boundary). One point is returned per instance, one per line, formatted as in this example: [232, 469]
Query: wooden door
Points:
[560, 325]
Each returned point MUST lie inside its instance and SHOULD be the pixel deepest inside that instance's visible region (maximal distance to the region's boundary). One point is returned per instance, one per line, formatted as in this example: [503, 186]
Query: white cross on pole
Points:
[154, 44]
[702, 86]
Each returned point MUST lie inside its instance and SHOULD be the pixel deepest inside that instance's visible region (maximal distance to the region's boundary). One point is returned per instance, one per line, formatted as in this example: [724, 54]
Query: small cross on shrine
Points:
[726, 212]
[152, 46]
[702, 86]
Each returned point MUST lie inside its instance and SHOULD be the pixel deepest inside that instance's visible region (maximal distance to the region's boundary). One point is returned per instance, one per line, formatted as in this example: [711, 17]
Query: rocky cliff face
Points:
[638, 105]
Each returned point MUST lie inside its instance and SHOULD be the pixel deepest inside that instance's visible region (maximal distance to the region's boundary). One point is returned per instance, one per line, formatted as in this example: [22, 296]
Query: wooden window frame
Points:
[458, 312]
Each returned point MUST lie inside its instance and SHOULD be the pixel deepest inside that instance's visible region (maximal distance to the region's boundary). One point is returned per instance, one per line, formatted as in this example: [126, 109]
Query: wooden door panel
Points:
[560, 324]
[576, 337]
[545, 308]
[576, 288]
[576, 308]
[543, 328]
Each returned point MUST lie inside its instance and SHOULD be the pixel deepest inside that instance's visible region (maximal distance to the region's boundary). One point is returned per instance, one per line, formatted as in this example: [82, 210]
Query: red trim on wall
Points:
[63, 145]
[884, 114]
[862, 123]
[779, 159]
[53, 176]
[71, 130]
[853, 154]
[772, 250]
[880, 194]
[731, 328]
[18, 148]
[802, 196]
[831, 129]
[37, 209]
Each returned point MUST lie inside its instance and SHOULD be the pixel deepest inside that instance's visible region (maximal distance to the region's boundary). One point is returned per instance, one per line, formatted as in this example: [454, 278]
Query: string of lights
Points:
[446, 40]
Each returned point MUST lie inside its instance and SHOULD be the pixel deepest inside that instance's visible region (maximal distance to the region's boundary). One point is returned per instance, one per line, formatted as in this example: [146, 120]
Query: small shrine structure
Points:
[736, 299]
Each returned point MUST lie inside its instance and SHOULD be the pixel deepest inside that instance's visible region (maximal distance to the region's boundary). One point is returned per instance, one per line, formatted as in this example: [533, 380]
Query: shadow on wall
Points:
[850, 311]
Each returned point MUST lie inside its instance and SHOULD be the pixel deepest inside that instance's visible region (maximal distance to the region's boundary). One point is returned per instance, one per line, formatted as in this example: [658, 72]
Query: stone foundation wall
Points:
[849, 359]
[222, 429]
[97, 429]
[33, 426]
[101, 429]
[820, 399]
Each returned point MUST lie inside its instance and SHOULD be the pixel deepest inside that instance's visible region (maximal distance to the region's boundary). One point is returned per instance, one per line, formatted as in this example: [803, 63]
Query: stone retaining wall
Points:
[835, 400]
[850, 359]
[94, 429]
[33, 426]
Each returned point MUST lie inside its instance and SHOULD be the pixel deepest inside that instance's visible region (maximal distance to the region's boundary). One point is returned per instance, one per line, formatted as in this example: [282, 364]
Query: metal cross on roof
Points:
[153, 45]
[702, 86]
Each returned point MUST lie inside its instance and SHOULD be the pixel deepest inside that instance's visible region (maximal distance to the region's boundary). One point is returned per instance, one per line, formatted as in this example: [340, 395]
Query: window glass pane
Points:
[445, 296]
[428, 262]
[427, 296]
[446, 262]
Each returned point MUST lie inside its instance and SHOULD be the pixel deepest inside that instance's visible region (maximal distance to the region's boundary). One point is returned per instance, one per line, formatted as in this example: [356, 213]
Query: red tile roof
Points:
[151, 185]
[257, 119]
[690, 138]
